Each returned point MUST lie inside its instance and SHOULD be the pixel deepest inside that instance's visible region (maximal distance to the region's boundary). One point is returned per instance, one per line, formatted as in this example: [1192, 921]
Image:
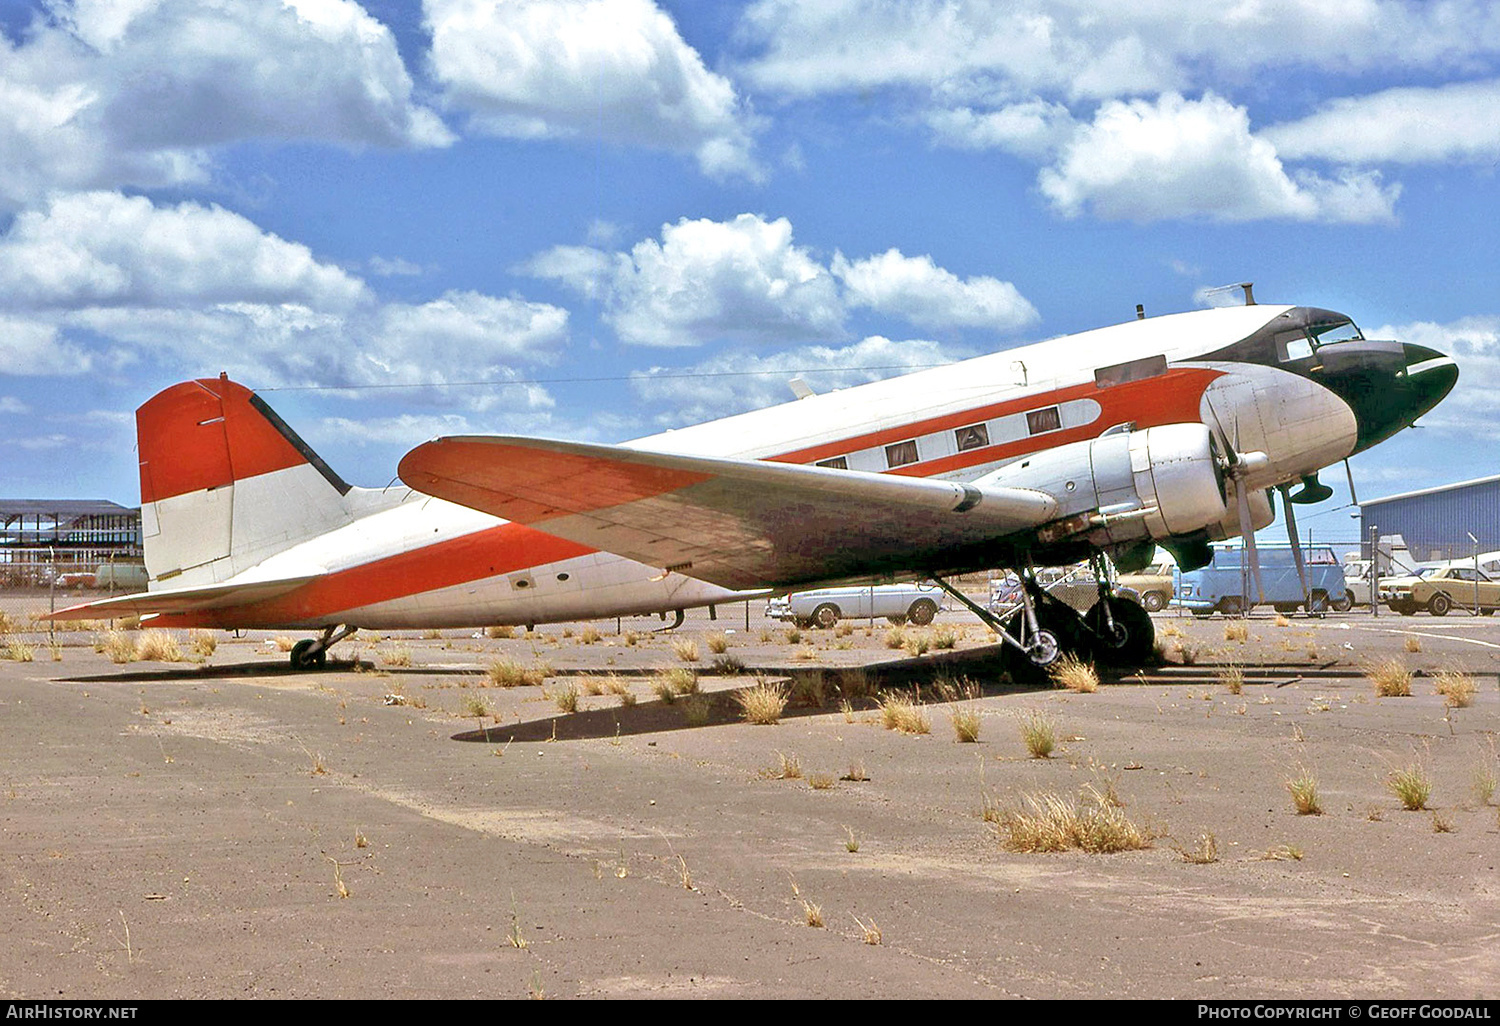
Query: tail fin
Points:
[226, 483]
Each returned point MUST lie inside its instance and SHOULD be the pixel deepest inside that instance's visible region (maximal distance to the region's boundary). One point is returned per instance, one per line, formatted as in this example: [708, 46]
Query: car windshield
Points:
[1427, 571]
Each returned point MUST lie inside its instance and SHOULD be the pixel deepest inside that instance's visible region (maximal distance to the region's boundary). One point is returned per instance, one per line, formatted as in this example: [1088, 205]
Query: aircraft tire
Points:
[303, 659]
[922, 612]
[1134, 639]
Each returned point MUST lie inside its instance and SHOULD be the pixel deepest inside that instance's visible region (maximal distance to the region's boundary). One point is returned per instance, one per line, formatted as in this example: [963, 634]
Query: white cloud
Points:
[105, 249]
[610, 69]
[917, 290]
[1034, 128]
[983, 49]
[737, 381]
[1474, 344]
[746, 280]
[111, 94]
[1405, 126]
[10, 404]
[31, 347]
[743, 280]
[1177, 157]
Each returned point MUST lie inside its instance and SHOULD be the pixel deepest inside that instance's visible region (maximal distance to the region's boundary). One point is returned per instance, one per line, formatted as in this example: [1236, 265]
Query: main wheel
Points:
[1133, 639]
[1033, 666]
[826, 615]
[1439, 605]
[1343, 603]
[303, 658]
[1154, 601]
[921, 612]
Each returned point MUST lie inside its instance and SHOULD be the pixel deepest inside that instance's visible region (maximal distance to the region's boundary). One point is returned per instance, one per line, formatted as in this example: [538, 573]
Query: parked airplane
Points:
[1167, 430]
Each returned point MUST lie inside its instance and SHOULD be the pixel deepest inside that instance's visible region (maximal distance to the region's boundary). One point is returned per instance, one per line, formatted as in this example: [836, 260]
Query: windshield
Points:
[1340, 331]
[1427, 571]
[1299, 344]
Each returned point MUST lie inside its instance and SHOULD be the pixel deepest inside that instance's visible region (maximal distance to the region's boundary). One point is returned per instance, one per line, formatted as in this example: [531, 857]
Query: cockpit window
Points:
[1300, 345]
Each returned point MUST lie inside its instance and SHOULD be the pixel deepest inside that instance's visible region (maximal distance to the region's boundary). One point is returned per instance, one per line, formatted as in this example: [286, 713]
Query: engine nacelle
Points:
[1157, 483]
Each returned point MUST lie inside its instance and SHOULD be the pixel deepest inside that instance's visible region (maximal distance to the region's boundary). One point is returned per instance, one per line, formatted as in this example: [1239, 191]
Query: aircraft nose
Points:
[1393, 398]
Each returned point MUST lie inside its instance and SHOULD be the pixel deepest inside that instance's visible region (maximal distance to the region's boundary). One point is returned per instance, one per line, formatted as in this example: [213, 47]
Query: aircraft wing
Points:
[738, 523]
[181, 600]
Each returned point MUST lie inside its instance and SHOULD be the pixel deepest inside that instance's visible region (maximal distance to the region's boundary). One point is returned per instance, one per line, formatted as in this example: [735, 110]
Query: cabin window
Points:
[837, 463]
[900, 454]
[1135, 370]
[1040, 421]
[975, 436]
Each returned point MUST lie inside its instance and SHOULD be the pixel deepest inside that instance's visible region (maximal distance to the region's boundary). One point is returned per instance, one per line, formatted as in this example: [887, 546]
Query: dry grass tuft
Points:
[808, 688]
[1281, 620]
[821, 781]
[918, 644]
[508, 673]
[18, 651]
[718, 643]
[476, 706]
[1442, 823]
[566, 698]
[788, 767]
[1233, 679]
[944, 638]
[1074, 674]
[203, 643]
[1457, 688]
[696, 710]
[284, 643]
[854, 682]
[870, 931]
[895, 638]
[1413, 643]
[1039, 733]
[499, 632]
[396, 655]
[793, 635]
[157, 646]
[762, 704]
[1391, 679]
[1048, 822]
[589, 635]
[966, 722]
[1304, 791]
[1237, 632]
[728, 666]
[904, 713]
[682, 680]
[1411, 785]
[851, 843]
[686, 649]
[1283, 853]
[1206, 852]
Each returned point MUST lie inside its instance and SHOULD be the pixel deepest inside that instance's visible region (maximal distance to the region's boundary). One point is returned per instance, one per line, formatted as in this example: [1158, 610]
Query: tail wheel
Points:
[826, 615]
[305, 658]
[921, 612]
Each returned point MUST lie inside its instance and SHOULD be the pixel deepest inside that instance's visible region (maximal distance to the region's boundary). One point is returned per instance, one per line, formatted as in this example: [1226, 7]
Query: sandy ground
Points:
[186, 830]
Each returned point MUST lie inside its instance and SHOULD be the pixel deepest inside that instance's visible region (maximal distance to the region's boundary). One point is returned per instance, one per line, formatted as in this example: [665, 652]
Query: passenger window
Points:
[1039, 421]
[900, 454]
[975, 436]
[837, 463]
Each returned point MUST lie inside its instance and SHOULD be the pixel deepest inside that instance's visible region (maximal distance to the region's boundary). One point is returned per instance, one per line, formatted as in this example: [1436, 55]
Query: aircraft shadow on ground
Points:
[721, 708]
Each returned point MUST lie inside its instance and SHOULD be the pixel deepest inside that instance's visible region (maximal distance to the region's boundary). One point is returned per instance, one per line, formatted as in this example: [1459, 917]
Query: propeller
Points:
[1236, 467]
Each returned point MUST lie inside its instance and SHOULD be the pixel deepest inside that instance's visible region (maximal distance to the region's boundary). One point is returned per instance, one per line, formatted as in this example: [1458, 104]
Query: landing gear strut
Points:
[1030, 643]
[312, 653]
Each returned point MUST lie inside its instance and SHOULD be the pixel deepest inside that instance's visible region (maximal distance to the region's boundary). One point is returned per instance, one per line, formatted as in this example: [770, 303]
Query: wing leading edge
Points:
[738, 523]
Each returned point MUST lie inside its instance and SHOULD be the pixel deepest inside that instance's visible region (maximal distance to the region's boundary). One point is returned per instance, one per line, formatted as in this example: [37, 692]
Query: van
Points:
[1227, 586]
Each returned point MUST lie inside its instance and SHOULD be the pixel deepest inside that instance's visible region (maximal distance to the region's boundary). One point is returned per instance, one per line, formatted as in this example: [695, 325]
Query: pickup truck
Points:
[824, 607]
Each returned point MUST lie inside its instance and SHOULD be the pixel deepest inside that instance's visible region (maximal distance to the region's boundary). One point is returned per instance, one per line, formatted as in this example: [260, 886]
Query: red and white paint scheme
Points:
[1111, 441]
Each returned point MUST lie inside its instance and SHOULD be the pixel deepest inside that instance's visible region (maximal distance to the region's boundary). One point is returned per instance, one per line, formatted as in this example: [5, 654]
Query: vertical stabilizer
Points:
[225, 483]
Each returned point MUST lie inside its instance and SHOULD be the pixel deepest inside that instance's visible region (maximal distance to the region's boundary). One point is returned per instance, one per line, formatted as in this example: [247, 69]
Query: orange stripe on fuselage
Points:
[497, 550]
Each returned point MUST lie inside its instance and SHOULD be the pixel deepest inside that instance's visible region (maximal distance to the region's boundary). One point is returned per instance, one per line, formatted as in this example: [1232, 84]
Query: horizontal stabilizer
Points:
[182, 600]
[738, 523]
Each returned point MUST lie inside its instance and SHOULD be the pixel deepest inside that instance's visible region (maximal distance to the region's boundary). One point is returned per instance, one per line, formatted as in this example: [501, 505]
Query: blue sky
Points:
[642, 214]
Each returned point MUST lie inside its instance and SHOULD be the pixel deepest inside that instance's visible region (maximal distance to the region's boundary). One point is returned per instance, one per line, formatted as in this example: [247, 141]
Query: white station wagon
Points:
[824, 607]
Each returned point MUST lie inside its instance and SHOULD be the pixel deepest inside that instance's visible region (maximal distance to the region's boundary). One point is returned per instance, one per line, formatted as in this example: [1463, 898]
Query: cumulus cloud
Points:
[1178, 157]
[1402, 126]
[612, 69]
[917, 290]
[204, 289]
[734, 382]
[1033, 128]
[972, 49]
[106, 95]
[746, 280]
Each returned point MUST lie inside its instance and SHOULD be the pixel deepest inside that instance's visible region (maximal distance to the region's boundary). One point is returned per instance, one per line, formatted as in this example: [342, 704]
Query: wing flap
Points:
[181, 600]
[738, 523]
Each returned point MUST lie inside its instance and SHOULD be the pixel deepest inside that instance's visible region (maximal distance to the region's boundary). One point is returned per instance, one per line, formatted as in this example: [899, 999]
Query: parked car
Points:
[1155, 585]
[1438, 589]
[823, 607]
[1075, 585]
[1225, 586]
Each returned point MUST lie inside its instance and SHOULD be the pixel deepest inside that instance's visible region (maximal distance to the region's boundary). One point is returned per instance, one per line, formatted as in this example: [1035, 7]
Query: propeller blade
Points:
[1247, 532]
[1291, 534]
[1231, 456]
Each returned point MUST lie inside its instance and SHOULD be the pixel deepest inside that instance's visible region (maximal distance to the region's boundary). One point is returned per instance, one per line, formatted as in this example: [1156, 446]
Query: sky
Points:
[597, 219]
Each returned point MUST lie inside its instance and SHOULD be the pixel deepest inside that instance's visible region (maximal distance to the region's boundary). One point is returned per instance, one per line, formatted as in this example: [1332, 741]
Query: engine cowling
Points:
[1159, 483]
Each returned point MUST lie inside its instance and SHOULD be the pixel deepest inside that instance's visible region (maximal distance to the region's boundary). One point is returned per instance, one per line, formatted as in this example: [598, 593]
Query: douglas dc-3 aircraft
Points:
[1169, 430]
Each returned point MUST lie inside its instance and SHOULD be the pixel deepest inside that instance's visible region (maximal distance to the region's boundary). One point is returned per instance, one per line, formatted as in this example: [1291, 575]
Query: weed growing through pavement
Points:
[1233, 678]
[1237, 632]
[1391, 678]
[1413, 643]
[788, 767]
[508, 673]
[902, 712]
[966, 721]
[1038, 732]
[1304, 791]
[1457, 688]
[1411, 785]
[1048, 822]
[1206, 851]
[762, 704]
[686, 649]
[157, 646]
[1074, 674]
[718, 643]
[851, 843]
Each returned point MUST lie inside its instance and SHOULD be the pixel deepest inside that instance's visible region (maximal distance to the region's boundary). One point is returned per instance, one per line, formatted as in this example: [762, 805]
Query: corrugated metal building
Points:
[1437, 522]
[43, 539]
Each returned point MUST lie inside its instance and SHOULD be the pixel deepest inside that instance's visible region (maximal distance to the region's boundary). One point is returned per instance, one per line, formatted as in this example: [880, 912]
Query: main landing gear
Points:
[312, 653]
[1115, 630]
